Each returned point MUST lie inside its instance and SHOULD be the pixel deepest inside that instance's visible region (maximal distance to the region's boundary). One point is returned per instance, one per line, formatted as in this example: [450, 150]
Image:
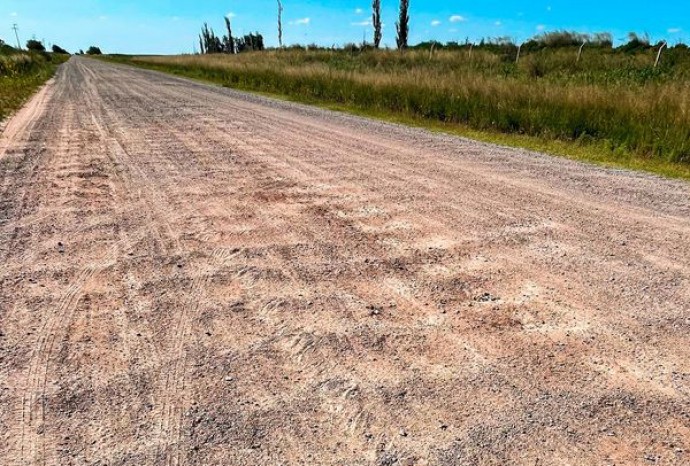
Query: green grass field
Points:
[608, 107]
[21, 74]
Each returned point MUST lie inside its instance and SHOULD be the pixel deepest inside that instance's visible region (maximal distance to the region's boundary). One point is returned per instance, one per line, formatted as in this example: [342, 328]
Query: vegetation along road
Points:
[195, 275]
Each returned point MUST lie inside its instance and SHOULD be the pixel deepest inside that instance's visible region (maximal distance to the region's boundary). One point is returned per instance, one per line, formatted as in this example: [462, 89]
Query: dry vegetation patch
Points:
[617, 100]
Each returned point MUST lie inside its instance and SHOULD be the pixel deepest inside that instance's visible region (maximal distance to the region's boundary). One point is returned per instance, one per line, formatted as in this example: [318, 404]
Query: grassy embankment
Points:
[21, 74]
[611, 107]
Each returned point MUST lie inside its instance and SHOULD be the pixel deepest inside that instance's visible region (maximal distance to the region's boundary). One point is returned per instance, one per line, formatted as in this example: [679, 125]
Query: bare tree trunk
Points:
[231, 41]
[403, 24]
[517, 57]
[280, 24]
[376, 22]
[579, 52]
[658, 55]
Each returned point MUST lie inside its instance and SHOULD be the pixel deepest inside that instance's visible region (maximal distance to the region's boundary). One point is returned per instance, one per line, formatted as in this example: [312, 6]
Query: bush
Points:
[35, 46]
[93, 50]
[60, 50]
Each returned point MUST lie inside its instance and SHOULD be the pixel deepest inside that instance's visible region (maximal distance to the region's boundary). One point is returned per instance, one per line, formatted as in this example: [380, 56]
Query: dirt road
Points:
[192, 275]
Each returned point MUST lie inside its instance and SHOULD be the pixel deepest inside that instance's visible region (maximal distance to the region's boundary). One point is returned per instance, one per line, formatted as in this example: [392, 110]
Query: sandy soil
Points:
[192, 275]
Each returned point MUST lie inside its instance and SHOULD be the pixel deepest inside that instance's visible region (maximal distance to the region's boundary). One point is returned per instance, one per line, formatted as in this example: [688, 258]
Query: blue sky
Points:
[171, 26]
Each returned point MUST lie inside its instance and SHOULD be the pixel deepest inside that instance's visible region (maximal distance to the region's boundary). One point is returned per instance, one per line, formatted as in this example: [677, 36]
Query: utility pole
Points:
[16, 34]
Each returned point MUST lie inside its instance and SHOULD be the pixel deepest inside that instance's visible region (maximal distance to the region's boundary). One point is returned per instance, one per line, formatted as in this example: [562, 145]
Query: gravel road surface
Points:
[191, 275]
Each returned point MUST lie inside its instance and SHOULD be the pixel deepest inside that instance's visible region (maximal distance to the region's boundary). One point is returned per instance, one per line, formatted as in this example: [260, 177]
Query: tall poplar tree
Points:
[403, 24]
[230, 41]
[280, 24]
[376, 22]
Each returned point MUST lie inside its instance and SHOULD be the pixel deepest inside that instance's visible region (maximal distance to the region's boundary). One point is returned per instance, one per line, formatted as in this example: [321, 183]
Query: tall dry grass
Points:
[615, 98]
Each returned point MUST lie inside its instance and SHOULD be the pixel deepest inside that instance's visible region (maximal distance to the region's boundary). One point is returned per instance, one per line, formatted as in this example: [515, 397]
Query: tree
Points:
[636, 43]
[93, 50]
[229, 41]
[210, 43]
[250, 42]
[403, 24]
[280, 24]
[376, 22]
[34, 45]
[60, 50]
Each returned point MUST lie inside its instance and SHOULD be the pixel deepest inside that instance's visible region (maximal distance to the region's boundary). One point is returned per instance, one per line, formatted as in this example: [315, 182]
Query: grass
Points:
[599, 154]
[21, 75]
[610, 108]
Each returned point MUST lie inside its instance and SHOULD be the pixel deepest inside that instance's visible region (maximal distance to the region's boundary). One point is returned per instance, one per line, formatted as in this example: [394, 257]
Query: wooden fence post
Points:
[658, 55]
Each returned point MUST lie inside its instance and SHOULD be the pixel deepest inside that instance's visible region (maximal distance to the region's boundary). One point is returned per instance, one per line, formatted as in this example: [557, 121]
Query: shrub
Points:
[60, 50]
[35, 46]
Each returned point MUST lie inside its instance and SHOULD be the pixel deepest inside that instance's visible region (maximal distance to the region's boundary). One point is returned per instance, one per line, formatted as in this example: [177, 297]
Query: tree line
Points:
[209, 42]
[33, 45]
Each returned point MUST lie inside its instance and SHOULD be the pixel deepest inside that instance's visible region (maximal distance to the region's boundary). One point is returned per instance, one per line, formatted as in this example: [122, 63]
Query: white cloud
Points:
[541, 27]
[435, 22]
[674, 30]
[358, 11]
[301, 21]
[230, 15]
[14, 14]
[366, 22]
[498, 23]
[457, 19]
[548, 8]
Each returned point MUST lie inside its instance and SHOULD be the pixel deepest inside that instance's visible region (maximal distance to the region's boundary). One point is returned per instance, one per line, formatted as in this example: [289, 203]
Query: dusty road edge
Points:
[21, 121]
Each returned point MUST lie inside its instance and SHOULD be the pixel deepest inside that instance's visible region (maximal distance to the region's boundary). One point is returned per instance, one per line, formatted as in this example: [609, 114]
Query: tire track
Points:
[174, 396]
[37, 115]
[31, 408]
[176, 390]
[33, 405]
[54, 329]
